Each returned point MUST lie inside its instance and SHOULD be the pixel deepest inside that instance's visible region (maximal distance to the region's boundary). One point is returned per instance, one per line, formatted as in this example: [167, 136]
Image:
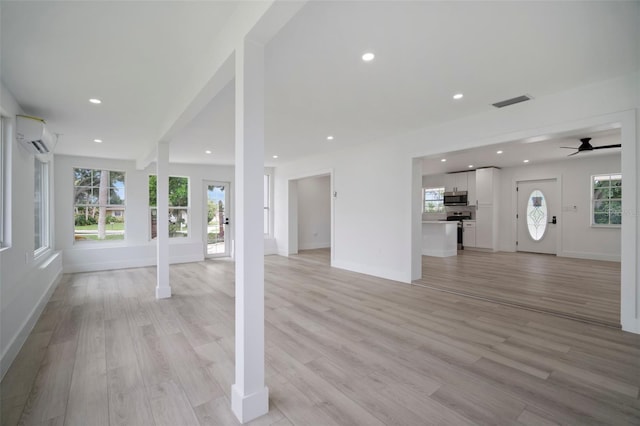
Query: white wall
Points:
[370, 207]
[380, 241]
[314, 212]
[25, 283]
[578, 238]
[137, 249]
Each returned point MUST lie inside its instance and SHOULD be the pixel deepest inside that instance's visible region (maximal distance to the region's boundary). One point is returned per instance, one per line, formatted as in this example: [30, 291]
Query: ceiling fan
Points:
[586, 146]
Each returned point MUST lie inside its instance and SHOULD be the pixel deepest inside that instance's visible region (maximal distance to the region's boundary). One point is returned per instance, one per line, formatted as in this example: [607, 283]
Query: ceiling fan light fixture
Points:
[585, 145]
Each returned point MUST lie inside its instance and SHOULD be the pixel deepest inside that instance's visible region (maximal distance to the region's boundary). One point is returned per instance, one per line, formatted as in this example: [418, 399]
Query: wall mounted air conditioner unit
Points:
[32, 133]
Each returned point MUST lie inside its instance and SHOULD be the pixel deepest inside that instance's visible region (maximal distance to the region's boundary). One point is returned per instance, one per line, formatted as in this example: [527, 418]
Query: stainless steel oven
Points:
[459, 217]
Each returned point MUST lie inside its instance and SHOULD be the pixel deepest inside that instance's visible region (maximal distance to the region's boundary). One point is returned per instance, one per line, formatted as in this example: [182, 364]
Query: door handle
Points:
[553, 220]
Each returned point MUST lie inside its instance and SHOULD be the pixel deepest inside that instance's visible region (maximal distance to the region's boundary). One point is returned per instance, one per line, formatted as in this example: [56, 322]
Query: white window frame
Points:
[593, 201]
[187, 208]
[45, 222]
[124, 207]
[424, 199]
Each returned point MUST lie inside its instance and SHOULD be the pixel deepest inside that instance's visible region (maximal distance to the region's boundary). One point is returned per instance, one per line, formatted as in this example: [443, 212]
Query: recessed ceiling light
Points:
[471, 166]
[275, 156]
[525, 161]
[329, 138]
[97, 140]
[368, 57]
[95, 101]
[207, 152]
[499, 152]
[443, 160]
[458, 96]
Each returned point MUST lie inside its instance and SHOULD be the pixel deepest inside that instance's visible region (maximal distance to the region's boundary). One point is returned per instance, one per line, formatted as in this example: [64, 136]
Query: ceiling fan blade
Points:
[608, 146]
[577, 152]
[568, 147]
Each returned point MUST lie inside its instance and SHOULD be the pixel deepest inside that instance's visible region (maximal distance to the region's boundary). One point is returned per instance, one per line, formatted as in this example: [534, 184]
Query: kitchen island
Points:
[439, 238]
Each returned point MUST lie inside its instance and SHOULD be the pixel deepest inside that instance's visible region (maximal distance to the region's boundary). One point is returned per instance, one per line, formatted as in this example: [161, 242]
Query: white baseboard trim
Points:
[18, 340]
[127, 263]
[439, 253]
[283, 253]
[486, 250]
[312, 246]
[590, 256]
[368, 270]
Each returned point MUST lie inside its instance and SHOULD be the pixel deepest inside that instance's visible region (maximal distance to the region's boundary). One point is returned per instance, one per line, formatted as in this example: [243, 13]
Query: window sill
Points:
[42, 257]
[607, 226]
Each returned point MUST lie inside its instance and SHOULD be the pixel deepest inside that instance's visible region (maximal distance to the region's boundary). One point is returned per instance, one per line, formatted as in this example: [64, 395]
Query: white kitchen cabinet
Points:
[456, 182]
[486, 230]
[461, 181]
[469, 234]
[471, 188]
[449, 182]
[487, 185]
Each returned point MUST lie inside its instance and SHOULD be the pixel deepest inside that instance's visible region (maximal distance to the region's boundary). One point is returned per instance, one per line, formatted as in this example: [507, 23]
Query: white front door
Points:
[217, 225]
[538, 205]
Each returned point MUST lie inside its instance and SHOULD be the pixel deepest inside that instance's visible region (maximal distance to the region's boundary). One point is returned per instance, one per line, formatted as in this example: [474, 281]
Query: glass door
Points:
[217, 219]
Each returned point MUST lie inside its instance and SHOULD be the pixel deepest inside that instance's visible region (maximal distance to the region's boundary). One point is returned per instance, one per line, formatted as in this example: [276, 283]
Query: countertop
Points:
[441, 222]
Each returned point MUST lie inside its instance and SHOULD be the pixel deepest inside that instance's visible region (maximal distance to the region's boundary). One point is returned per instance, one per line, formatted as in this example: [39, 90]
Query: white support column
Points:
[249, 395]
[163, 287]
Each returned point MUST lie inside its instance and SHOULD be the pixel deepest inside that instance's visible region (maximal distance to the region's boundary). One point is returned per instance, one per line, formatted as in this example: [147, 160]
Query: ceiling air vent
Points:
[512, 101]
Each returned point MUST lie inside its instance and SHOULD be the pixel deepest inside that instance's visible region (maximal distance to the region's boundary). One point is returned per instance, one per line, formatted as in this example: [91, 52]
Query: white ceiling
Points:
[543, 149]
[316, 83]
[134, 56]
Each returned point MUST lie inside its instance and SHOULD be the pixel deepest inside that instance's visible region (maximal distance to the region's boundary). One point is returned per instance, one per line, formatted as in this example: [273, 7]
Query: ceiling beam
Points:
[258, 21]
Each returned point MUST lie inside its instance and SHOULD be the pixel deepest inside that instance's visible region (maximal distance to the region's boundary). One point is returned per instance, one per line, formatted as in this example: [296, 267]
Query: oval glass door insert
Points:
[537, 215]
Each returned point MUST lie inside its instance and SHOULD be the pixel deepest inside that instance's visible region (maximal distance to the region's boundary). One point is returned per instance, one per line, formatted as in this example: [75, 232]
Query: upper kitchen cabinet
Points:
[449, 182]
[456, 181]
[461, 181]
[471, 188]
[487, 185]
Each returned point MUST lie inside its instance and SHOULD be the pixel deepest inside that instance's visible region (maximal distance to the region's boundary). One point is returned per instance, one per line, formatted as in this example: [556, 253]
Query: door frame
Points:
[514, 208]
[292, 222]
[627, 122]
[228, 252]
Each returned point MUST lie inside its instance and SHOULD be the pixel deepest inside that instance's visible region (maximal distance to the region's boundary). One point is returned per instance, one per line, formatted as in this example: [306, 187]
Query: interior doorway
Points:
[217, 225]
[311, 218]
[568, 204]
[537, 217]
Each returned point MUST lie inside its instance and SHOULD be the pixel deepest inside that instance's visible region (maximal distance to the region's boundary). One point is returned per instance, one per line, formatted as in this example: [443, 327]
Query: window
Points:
[606, 200]
[99, 204]
[433, 200]
[178, 206]
[41, 206]
[267, 194]
[537, 215]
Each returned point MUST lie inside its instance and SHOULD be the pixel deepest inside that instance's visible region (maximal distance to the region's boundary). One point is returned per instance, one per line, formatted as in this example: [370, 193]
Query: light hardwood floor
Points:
[583, 289]
[342, 349]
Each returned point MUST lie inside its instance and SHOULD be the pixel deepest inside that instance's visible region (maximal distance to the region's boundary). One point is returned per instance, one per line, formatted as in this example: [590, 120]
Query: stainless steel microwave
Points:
[458, 198]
